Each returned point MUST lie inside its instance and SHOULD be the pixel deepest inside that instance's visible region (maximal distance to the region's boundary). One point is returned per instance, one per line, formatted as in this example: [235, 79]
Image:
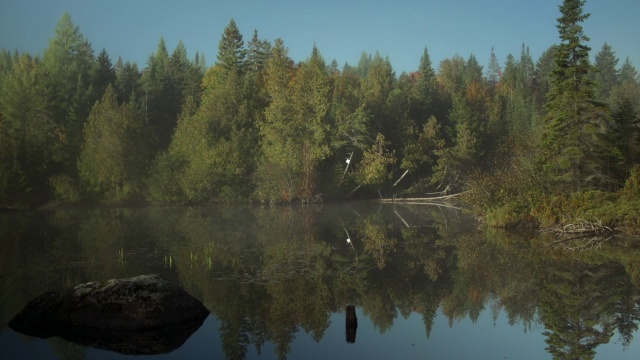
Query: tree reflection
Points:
[269, 273]
[578, 307]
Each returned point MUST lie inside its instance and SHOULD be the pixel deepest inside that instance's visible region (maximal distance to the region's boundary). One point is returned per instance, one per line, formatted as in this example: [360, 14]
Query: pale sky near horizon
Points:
[341, 30]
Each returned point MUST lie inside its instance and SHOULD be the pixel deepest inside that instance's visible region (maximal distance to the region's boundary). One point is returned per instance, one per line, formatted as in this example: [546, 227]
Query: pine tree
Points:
[577, 152]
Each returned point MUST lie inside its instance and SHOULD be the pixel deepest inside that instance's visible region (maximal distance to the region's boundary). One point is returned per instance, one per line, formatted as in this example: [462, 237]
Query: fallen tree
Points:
[580, 234]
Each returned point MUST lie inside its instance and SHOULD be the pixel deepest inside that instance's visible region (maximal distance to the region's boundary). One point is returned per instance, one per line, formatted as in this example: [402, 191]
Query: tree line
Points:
[258, 126]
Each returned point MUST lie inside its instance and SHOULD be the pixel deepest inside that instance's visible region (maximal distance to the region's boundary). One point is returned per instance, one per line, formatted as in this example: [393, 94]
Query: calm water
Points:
[424, 281]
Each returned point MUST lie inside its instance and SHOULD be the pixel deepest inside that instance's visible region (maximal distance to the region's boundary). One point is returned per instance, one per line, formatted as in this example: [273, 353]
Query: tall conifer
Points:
[576, 151]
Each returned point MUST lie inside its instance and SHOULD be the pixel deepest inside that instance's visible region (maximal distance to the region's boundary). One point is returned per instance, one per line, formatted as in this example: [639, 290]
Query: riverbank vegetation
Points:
[528, 142]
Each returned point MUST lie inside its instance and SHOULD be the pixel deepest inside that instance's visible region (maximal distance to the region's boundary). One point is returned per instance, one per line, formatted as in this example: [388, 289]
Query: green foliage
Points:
[295, 131]
[113, 161]
[509, 201]
[374, 169]
[28, 134]
[578, 152]
[231, 50]
[421, 152]
[65, 188]
[164, 181]
[606, 73]
[69, 61]
[256, 125]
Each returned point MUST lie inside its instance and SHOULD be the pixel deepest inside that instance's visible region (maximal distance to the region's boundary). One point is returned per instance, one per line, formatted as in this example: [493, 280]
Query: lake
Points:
[424, 282]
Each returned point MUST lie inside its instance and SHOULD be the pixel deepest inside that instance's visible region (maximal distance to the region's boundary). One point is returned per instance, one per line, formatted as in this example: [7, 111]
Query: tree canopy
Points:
[256, 125]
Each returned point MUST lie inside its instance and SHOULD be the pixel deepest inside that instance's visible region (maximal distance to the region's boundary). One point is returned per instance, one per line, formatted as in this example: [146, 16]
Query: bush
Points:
[65, 188]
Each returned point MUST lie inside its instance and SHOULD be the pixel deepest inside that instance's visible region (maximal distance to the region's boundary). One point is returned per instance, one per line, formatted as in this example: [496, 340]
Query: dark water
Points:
[424, 281]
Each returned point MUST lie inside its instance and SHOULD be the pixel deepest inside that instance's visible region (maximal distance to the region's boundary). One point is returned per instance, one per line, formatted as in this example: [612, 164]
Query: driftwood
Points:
[580, 235]
[439, 200]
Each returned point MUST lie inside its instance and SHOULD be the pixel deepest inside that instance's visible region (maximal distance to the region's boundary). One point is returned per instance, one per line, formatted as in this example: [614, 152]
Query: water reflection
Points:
[351, 324]
[267, 274]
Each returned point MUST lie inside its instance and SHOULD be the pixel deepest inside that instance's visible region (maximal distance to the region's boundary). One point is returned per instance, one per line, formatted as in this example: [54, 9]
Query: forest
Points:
[523, 140]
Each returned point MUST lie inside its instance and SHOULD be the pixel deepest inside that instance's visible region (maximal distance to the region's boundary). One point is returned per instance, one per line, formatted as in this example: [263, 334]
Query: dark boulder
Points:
[139, 315]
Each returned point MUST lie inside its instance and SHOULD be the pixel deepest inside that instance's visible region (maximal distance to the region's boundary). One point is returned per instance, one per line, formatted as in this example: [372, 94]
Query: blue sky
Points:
[342, 30]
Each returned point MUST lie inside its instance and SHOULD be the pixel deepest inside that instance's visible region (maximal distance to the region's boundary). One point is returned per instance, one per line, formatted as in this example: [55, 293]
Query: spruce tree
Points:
[493, 71]
[577, 151]
[606, 74]
[103, 75]
[231, 50]
[258, 53]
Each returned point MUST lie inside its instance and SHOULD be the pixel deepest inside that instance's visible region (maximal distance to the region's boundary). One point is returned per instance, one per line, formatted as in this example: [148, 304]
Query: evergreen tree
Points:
[421, 152]
[493, 70]
[627, 133]
[517, 92]
[423, 96]
[577, 153]
[472, 71]
[510, 75]
[258, 52]
[364, 63]
[154, 102]
[164, 91]
[606, 73]
[627, 88]
[68, 60]
[127, 83]
[457, 161]
[376, 88]
[103, 75]
[231, 50]
[526, 70]
[543, 75]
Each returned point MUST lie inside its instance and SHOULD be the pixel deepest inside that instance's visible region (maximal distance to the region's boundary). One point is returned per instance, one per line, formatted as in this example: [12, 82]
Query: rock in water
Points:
[140, 315]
